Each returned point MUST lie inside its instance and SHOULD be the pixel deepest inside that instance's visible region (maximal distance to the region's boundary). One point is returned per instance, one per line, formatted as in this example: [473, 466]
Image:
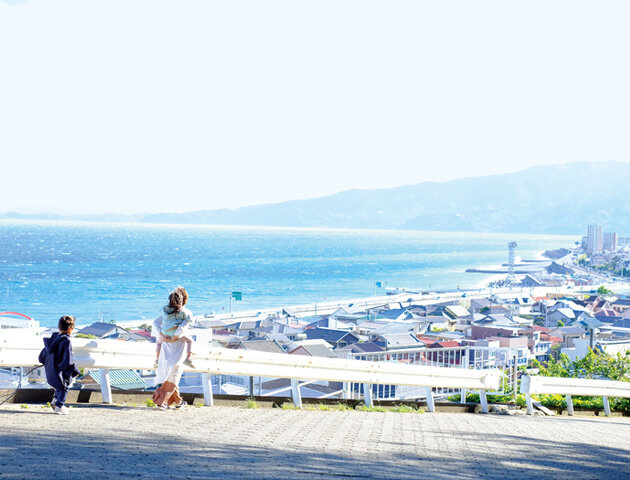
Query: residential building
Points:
[594, 239]
[337, 338]
[397, 340]
[557, 315]
[104, 330]
[313, 350]
[610, 242]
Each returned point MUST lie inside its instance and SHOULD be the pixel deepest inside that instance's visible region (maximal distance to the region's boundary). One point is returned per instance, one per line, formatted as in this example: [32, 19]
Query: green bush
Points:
[592, 365]
[474, 398]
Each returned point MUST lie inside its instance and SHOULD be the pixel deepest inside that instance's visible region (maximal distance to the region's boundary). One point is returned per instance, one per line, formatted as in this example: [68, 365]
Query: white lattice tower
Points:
[511, 248]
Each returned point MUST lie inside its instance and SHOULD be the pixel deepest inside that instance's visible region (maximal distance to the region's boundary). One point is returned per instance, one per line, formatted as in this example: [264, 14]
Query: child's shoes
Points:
[189, 363]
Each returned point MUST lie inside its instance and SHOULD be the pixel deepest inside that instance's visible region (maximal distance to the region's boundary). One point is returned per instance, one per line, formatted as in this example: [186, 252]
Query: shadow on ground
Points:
[125, 454]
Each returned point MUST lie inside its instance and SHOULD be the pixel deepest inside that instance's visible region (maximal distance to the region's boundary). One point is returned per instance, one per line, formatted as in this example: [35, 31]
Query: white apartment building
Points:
[594, 242]
[610, 242]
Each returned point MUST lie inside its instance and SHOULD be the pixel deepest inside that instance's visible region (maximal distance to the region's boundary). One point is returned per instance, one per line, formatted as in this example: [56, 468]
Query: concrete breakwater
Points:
[500, 271]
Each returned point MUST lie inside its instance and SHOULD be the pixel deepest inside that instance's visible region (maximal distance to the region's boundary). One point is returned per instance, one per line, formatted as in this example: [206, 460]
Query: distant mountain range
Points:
[557, 199]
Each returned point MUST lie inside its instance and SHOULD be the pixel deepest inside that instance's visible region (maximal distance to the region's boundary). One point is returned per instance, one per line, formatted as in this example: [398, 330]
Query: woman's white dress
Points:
[172, 355]
[170, 365]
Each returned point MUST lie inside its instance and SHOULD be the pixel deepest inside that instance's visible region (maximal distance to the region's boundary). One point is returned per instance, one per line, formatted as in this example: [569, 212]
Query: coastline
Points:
[97, 273]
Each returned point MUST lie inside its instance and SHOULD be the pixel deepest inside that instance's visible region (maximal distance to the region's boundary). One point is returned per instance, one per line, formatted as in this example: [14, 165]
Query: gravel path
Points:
[104, 442]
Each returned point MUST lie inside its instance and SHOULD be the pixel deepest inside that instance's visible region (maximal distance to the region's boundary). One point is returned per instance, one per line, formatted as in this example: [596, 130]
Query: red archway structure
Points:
[16, 313]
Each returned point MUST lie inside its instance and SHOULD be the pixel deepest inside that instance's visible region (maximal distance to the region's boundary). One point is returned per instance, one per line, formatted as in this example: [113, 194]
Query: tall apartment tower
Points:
[610, 242]
[594, 239]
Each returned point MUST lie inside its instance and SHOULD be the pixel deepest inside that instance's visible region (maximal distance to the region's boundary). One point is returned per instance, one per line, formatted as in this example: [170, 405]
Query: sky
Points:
[171, 106]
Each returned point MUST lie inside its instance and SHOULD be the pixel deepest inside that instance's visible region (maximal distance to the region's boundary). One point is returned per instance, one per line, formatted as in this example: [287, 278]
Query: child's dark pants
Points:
[60, 396]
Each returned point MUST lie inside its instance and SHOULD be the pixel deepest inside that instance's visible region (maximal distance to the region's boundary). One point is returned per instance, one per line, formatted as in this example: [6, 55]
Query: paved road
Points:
[97, 442]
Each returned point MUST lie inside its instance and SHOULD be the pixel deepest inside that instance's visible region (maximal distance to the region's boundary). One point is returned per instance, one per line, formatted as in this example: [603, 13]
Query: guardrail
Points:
[114, 354]
[505, 359]
[572, 386]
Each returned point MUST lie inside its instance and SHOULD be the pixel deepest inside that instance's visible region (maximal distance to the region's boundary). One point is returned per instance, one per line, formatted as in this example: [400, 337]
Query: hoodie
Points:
[56, 356]
[174, 323]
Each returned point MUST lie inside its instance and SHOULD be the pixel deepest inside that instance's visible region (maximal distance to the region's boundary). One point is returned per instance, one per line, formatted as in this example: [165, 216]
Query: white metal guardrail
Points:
[572, 386]
[115, 354]
[506, 360]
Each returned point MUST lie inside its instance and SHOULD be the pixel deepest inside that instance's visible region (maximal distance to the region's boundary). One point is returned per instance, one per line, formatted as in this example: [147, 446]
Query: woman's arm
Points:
[157, 328]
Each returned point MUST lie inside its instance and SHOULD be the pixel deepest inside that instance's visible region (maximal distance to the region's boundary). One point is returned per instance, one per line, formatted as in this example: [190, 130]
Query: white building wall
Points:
[594, 239]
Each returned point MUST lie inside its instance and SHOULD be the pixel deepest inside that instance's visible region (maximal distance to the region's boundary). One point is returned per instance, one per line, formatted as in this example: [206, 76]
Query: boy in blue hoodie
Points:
[59, 363]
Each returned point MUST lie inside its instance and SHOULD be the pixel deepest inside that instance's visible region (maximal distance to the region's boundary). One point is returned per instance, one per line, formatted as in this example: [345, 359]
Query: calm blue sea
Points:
[125, 271]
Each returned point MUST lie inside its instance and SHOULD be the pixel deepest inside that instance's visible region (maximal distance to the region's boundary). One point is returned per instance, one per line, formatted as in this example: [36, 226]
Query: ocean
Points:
[100, 271]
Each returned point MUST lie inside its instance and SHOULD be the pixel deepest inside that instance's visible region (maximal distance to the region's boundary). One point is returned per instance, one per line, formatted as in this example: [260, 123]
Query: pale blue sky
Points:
[144, 105]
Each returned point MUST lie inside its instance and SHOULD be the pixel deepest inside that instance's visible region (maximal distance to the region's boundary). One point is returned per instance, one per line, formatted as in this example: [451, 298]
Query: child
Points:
[174, 324]
[57, 358]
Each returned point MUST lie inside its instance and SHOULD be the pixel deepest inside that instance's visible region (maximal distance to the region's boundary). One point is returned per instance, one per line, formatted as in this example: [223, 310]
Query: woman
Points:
[172, 352]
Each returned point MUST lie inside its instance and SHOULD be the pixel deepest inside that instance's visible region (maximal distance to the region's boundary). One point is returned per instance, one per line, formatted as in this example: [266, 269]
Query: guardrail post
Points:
[367, 394]
[295, 393]
[530, 404]
[430, 402]
[106, 386]
[484, 401]
[606, 406]
[206, 381]
[462, 396]
[569, 405]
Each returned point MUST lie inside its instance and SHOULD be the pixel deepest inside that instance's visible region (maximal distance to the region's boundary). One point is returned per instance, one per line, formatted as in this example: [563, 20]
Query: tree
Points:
[604, 291]
[592, 365]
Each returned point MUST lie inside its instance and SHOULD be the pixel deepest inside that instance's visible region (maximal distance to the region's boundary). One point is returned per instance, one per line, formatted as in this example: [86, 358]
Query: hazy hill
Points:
[553, 199]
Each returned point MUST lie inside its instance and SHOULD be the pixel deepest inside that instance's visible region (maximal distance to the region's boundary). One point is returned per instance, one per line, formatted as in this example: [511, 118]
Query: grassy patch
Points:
[373, 408]
[251, 403]
[407, 409]
[336, 407]
[320, 407]
[342, 407]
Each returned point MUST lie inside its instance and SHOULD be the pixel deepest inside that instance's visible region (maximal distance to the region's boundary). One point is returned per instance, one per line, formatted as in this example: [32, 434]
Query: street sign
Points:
[237, 295]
